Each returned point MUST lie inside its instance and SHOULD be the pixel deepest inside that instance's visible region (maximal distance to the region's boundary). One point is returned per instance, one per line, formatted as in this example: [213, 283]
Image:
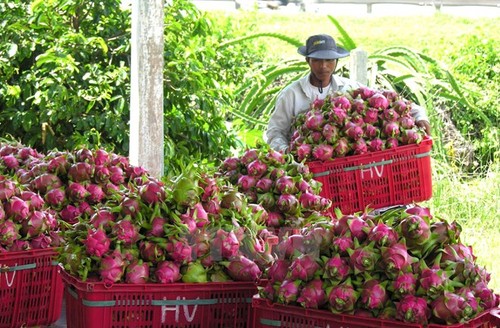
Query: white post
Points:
[359, 66]
[146, 82]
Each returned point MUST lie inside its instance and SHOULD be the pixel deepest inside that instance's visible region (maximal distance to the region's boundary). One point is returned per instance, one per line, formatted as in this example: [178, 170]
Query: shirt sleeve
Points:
[278, 131]
[418, 113]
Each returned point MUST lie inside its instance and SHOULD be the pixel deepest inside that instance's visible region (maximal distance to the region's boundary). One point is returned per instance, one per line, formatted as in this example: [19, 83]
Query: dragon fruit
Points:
[56, 197]
[35, 224]
[80, 172]
[151, 251]
[241, 268]
[9, 233]
[303, 267]
[102, 217]
[312, 295]
[34, 200]
[16, 209]
[126, 232]
[167, 272]
[378, 100]
[287, 203]
[336, 269]
[373, 295]
[152, 192]
[450, 308]
[403, 284]
[396, 258]
[341, 147]
[289, 291]
[322, 152]
[7, 188]
[112, 267]
[413, 309]
[363, 257]
[383, 235]
[342, 298]
[97, 242]
[179, 250]
[137, 272]
[337, 115]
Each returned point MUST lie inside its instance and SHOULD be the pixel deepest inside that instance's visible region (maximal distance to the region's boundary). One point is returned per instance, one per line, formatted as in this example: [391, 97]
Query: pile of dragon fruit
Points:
[353, 123]
[111, 221]
[402, 265]
[284, 188]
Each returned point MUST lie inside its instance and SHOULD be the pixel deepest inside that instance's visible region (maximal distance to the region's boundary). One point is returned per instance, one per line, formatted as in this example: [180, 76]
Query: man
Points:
[322, 54]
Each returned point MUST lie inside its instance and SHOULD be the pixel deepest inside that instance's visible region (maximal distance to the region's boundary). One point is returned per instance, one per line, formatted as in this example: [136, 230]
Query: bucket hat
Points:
[322, 46]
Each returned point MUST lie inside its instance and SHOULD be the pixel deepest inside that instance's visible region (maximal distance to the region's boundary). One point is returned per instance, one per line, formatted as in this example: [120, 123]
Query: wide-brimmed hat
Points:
[322, 46]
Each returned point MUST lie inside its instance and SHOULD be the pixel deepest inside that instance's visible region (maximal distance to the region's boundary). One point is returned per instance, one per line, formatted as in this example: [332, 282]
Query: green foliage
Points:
[477, 67]
[64, 74]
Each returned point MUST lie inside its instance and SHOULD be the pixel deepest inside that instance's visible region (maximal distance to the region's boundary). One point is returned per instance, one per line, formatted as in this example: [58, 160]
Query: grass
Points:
[473, 203]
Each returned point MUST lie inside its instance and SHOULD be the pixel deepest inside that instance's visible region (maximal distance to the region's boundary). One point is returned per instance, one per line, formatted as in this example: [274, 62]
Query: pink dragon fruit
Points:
[376, 144]
[35, 224]
[9, 233]
[338, 116]
[358, 106]
[322, 152]
[390, 115]
[312, 295]
[391, 129]
[303, 152]
[76, 192]
[303, 267]
[7, 188]
[129, 206]
[241, 268]
[102, 217]
[450, 308]
[179, 250]
[391, 143]
[287, 203]
[396, 258]
[41, 242]
[401, 106]
[257, 168]
[336, 269]
[10, 161]
[410, 136]
[341, 102]
[225, 244]
[383, 235]
[126, 232]
[97, 242]
[433, 281]
[285, 184]
[415, 229]
[403, 284]
[137, 272]
[406, 122]
[363, 92]
[167, 272]
[341, 148]
[378, 100]
[314, 120]
[373, 295]
[289, 291]
[34, 200]
[246, 182]
[80, 172]
[55, 197]
[353, 131]
[16, 209]
[152, 192]
[342, 298]
[278, 270]
[370, 131]
[342, 243]
[291, 245]
[151, 251]
[413, 309]
[360, 147]
[363, 258]
[330, 133]
[112, 267]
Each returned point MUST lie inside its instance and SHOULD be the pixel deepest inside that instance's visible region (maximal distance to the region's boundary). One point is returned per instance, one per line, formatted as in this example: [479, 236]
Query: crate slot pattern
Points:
[196, 305]
[31, 288]
[390, 177]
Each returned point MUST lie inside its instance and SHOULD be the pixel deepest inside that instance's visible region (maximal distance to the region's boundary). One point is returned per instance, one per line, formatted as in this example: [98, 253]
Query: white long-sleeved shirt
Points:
[297, 98]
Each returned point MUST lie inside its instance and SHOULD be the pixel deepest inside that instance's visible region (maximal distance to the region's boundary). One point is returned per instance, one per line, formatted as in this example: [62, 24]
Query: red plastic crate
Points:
[31, 288]
[193, 305]
[266, 314]
[390, 177]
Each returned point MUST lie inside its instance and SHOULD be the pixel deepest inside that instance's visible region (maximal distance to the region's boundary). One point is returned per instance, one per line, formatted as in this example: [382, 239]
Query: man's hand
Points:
[424, 125]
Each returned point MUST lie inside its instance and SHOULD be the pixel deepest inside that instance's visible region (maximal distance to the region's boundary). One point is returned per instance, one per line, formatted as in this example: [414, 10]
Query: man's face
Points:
[322, 68]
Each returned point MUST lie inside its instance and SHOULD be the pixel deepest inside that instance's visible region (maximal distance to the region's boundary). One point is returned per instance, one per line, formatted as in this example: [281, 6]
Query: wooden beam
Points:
[146, 94]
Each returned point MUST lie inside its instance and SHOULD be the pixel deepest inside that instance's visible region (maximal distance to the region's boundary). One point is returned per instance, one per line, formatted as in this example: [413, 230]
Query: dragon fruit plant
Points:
[285, 189]
[402, 265]
[353, 123]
